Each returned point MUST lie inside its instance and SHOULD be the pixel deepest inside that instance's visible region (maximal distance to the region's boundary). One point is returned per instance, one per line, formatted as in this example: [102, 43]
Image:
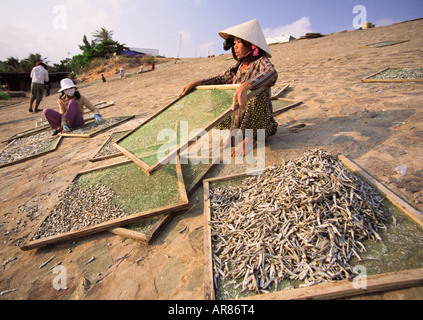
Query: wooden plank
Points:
[105, 226]
[401, 204]
[277, 94]
[209, 291]
[130, 234]
[94, 133]
[286, 108]
[344, 288]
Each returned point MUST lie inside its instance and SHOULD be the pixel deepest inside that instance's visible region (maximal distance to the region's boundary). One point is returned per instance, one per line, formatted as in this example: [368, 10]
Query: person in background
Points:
[141, 69]
[253, 70]
[71, 109]
[121, 73]
[39, 75]
[103, 78]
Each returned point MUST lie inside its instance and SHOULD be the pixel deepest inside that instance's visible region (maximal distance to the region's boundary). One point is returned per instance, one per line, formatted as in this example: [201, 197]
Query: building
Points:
[139, 52]
[279, 39]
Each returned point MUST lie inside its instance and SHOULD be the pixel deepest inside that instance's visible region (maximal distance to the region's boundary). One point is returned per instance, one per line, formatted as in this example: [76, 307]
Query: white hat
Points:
[249, 31]
[66, 84]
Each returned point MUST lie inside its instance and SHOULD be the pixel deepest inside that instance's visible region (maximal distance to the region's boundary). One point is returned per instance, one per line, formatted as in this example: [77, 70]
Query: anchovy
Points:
[302, 220]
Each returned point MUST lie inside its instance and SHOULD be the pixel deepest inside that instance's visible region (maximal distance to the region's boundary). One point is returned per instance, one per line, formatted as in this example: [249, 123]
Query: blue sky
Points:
[55, 28]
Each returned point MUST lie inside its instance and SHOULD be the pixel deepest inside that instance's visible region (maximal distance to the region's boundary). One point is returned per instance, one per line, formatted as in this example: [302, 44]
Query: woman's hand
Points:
[240, 97]
[189, 87]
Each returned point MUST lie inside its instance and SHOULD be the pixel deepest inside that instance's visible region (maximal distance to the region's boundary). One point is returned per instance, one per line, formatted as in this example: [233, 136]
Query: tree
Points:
[28, 63]
[102, 35]
[13, 64]
[86, 46]
[93, 50]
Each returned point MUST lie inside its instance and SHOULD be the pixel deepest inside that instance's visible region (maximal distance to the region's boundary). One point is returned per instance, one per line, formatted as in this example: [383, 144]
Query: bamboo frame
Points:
[286, 108]
[159, 225]
[278, 93]
[159, 164]
[344, 288]
[26, 133]
[397, 201]
[92, 134]
[105, 226]
[330, 290]
[368, 80]
[53, 148]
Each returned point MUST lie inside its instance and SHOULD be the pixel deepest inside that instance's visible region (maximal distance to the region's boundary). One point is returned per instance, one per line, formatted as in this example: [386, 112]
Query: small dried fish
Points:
[302, 220]
[91, 260]
[47, 262]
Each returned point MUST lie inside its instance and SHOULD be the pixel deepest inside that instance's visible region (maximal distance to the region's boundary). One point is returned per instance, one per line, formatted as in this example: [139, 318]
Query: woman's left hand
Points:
[98, 119]
[240, 97]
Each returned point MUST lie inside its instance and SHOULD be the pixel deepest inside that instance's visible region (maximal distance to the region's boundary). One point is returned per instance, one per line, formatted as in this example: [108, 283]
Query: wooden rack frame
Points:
[108, 141]
[163, 221]
[55, 141]
[159, 164]
[368, 78]
[105, 226]
[330, 290]
[26, 133]
[96, 132]
[291, 104]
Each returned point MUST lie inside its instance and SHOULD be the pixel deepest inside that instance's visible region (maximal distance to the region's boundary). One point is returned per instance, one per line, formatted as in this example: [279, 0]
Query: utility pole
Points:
[180, 42]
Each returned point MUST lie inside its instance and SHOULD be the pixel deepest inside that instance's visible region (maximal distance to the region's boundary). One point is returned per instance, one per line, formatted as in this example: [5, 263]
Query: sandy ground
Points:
[378, 125]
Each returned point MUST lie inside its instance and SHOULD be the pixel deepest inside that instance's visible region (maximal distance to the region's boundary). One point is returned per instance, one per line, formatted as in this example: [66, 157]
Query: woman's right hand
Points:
[189, 87]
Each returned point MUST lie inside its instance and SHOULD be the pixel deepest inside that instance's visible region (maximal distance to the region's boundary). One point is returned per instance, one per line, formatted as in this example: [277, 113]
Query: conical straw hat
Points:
[249, 31]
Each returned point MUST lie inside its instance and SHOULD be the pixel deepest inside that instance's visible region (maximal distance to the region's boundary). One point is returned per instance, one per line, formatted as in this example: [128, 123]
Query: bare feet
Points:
[226, 143]
[244, 148]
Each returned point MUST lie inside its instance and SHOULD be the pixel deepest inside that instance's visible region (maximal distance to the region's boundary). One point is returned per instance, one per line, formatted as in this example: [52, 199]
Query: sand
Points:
[378, 125]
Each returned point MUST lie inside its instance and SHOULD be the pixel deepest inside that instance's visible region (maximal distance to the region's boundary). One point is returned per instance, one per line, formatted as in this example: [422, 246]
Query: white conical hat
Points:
[249, 31]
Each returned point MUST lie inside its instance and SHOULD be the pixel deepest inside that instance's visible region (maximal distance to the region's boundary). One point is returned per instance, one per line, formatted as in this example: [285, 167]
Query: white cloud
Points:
[191, 47]
[385, 22]
[20, 37]
[296, 29]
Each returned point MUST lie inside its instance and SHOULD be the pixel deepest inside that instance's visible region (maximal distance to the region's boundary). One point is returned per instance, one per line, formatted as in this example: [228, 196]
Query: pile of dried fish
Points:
[302, 220]
[22, 148]
[79, 208]
[93, 127]
[107, 149]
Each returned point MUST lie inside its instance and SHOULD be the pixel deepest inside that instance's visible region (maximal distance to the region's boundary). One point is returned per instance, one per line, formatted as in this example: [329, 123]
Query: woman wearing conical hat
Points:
[252, 71]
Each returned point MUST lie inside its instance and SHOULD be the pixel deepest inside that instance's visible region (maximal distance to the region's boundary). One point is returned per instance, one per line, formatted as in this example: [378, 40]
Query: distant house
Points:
[279, 39]
[139, 52]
